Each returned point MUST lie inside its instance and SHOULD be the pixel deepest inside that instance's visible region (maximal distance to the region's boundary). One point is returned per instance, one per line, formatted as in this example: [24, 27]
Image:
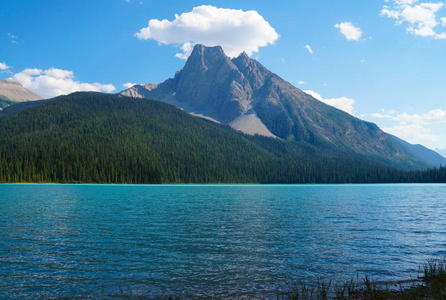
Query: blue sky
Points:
[382, 61]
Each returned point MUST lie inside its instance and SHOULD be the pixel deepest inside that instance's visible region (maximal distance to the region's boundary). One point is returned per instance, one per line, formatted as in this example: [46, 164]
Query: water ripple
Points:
[203, 242]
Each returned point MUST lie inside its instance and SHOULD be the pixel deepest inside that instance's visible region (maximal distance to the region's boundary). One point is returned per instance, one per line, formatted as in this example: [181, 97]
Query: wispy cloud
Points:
[415, 128]
[433, 116]
[419, 18]
[413, 133]
[309, 49]
[13, 38]
[350, 31]
[54, 82]
[210, 26]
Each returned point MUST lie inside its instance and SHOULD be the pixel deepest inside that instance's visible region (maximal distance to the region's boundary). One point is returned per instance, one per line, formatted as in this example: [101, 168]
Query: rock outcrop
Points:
[12, 90]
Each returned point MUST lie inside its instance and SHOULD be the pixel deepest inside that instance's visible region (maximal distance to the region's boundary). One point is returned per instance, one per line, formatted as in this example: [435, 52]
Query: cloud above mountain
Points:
[54, 82]
[235, 30]
[419, 18]
[128, 85]
[342, 103]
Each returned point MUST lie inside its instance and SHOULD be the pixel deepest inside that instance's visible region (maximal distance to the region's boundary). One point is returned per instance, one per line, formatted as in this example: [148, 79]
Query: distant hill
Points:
[419, 152]
[102, 138]
[442, 152]
[19, 106]
[11, 92]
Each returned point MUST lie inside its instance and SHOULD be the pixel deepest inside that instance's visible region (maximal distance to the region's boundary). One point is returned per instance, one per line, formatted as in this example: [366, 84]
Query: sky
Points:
[382, 61]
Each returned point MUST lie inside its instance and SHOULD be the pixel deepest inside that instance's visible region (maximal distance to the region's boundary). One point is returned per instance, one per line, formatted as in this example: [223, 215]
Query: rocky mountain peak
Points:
[252, 70]
[243, 58]
[212, 84]
[203, 57]
[10, 81]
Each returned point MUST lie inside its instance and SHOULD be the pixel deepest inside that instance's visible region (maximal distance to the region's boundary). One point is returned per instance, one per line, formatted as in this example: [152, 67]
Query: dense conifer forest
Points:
[101, 138]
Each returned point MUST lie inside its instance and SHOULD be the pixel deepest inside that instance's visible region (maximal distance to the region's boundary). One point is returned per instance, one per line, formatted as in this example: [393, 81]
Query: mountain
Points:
[12, 91]
[244, 94]
[419, 152]
[103, 138]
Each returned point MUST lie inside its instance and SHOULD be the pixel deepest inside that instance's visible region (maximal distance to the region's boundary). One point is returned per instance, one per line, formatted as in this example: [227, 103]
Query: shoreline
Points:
[431, 284]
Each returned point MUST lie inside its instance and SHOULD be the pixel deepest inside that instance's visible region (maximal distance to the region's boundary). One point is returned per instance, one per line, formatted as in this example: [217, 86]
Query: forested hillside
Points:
[4, 103]
[102, 138]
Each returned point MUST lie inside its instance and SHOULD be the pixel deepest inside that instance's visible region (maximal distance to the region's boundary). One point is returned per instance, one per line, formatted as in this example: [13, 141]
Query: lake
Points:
[210, 241]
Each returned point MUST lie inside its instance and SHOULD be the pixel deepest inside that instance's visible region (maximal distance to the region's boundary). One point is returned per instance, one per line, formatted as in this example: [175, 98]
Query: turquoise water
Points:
[213, 241]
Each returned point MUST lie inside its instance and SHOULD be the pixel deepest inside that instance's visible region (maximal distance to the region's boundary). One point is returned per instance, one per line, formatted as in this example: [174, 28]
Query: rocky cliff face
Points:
[12, 90]
[213, 85]
[250, 98]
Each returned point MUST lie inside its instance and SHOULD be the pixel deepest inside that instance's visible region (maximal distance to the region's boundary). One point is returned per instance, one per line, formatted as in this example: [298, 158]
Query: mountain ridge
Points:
[244, 94]
[420, 152]
[442, 152]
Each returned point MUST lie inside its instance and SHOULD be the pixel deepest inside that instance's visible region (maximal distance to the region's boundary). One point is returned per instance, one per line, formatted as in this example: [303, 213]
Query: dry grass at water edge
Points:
[431, 285]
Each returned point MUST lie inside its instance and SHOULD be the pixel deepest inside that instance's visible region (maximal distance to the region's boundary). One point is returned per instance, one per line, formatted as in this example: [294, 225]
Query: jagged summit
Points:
[12, 90]
[243, 93]
[207, 53]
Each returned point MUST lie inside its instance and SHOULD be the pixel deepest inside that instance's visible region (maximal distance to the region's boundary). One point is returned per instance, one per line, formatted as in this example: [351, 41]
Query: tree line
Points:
[98, 138]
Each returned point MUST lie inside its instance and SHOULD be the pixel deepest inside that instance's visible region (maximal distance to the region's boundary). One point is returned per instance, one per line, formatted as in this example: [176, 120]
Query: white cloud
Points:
[349, 30]
[4, 66]
[54, 82]
[420, 19]
[314, 95]
[433, 116]
[384, 114]
[380, 116]
[309, 49]
[235, 30]
[301, 82]
[342, 103]
[415, 128]
[413, 133]
[187, 50]
[128, 85]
